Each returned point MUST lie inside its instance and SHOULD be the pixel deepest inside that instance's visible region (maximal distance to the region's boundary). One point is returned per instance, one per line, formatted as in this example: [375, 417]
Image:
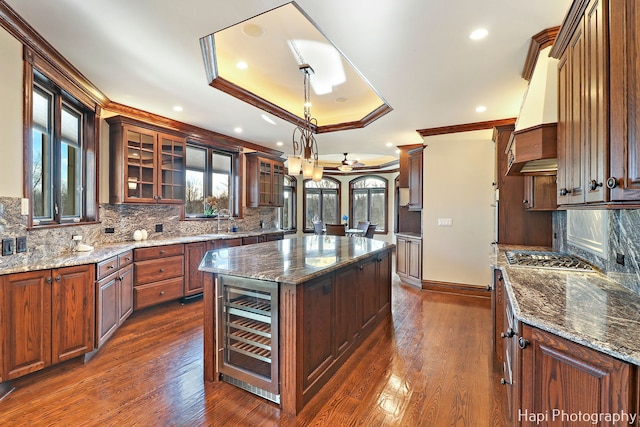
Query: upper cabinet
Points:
[265, 181]
[415, 179]
[146, 164]
[598, 157]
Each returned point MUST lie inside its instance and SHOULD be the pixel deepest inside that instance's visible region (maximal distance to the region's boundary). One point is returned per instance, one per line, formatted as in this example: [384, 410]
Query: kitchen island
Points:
[282, 317]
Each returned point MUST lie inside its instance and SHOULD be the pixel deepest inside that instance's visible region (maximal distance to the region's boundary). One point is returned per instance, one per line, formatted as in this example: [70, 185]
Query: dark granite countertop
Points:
[33, 261]
[587, 308]
[291, 261]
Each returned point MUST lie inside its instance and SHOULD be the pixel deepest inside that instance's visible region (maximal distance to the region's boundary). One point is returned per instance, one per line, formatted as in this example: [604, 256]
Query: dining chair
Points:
[317, 227]
[335, 230]
[363, 225]
[370, 230]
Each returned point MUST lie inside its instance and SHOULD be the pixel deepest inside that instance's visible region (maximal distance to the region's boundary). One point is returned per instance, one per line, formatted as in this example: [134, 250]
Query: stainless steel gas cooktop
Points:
[551, 260]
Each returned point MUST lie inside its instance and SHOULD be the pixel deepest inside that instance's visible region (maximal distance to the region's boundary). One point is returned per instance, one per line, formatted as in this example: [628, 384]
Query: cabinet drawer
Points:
[250, 240]
[158, 269]
[107, 267]
[156, 293]
[142, 254]
[125, 259]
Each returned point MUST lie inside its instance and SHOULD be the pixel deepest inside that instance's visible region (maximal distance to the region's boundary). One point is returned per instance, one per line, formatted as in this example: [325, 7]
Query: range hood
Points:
[533, 146]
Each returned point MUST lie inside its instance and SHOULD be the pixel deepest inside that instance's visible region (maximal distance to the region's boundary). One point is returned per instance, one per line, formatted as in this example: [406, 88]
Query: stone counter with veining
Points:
[33, 261]
[292, 261]
[586, 308]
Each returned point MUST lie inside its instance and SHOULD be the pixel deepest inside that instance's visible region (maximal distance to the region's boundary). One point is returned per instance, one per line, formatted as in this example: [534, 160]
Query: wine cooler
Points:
[247, 323]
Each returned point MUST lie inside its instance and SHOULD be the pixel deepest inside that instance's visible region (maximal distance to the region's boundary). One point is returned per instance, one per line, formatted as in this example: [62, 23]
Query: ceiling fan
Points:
[347, 165]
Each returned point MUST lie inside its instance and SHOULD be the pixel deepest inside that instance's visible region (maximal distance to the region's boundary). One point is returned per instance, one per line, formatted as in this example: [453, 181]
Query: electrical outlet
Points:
[445, 222]
[77, 237]
[21, 244]
[109, 230]
[620, 258]
[7, 246]
[158, 228]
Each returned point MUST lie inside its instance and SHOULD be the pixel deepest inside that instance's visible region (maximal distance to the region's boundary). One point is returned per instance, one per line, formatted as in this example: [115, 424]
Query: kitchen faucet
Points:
[220, 212]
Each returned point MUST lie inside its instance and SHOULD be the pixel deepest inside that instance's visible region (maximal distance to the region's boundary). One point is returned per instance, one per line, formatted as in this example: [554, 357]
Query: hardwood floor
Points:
[429, 365]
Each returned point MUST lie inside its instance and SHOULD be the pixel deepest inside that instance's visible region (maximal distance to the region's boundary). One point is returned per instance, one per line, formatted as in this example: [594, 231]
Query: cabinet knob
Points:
[500, 279]
[525, 202]
[361, 267]
[523, 343]
[49, 279]
[504, 382]
[58, 278]
[162, 270]
[489, 288]
[564, 191]
[508, 334]
[593, 185]
[162, 252]
[161, 293]
[612, 182]
[111, 267]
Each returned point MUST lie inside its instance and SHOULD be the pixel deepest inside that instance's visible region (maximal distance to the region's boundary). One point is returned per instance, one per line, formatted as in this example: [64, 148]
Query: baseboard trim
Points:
[457, 289]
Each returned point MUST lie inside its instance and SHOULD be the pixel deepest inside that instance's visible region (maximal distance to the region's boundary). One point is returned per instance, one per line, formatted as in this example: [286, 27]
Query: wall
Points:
[457, 184]
[11, 117]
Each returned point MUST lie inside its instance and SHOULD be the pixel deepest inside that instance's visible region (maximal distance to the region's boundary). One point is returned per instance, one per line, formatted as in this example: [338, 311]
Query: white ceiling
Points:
[415, 53]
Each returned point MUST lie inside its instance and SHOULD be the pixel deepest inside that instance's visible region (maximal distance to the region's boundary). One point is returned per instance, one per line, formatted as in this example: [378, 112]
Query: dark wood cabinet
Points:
[194, 278]
[158, 275]
[409, 259]
[147, 164]
[346, 311]
[114, 295]
[265, 181]
[49, 317]
[415, 178]
[558, 374]
[227, 243]
[540, 193]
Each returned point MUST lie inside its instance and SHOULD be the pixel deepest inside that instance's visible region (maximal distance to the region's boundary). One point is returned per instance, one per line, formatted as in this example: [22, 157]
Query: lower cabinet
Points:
[409, 259]
[194, 278]
[158, 275]
[48, 317]
[114, 295]
[560, 377]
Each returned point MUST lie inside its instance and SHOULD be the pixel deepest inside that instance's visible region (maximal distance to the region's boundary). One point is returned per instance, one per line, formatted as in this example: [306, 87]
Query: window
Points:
[209, 183]
[368, 201]
[61, 137]
[321, 202]
[287, 220]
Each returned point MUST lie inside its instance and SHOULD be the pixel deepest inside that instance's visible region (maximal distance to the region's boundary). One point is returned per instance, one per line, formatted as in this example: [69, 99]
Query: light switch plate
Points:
[24, 207]
[7, 246]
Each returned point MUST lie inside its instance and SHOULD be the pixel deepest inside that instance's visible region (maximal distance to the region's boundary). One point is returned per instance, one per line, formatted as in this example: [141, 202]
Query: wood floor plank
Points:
[429, 365]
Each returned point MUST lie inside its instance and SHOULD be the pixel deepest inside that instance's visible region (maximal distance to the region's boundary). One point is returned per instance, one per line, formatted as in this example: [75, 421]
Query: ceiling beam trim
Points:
[467, 127]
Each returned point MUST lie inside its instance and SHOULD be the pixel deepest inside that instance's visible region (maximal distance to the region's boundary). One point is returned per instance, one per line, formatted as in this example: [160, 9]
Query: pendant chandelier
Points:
[305, 148]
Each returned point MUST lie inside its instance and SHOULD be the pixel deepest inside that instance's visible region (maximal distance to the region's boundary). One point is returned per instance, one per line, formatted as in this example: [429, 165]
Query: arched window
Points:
[368, 201]
[287, 219]
[321, 202]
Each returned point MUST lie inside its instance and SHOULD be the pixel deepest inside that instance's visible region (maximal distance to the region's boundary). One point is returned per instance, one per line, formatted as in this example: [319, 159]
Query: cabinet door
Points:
[347, 326]
[367, 292]
[277, 184]
[317, 329]
[193, 278]
[401, 255]
[625, 101]
[560, 375]
[171, 169]
[596, 100]
[415, 180]
[125, 306]
[265, 190]
[27, 306]
[415, 259]
[140, 165]
[107, 308]
[383, 281]
[72, 312]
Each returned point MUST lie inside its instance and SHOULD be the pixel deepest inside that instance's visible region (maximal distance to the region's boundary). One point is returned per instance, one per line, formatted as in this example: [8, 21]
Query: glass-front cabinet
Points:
[146, 165]
[265, 181]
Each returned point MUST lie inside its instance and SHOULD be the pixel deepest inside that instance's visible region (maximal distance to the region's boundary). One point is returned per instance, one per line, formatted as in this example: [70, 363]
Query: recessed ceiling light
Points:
[481, 109]
[268, 119]
[279, 143]
[341, 99]
[242, 65]
[389, 144]
[237, 130]
[478, 34]
[252, 30]
[177, 108]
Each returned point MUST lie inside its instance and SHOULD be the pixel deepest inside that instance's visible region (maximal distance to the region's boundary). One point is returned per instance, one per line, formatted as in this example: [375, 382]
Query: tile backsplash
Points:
[623, 229]
[124, 219]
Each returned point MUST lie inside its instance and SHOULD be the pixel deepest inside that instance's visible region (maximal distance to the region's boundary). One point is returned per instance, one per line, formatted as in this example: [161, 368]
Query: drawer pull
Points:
[508, 334]
[162, 252]
[161, 293]
[162, 270]
[111, 267]
[504, 382]
[127, 259]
